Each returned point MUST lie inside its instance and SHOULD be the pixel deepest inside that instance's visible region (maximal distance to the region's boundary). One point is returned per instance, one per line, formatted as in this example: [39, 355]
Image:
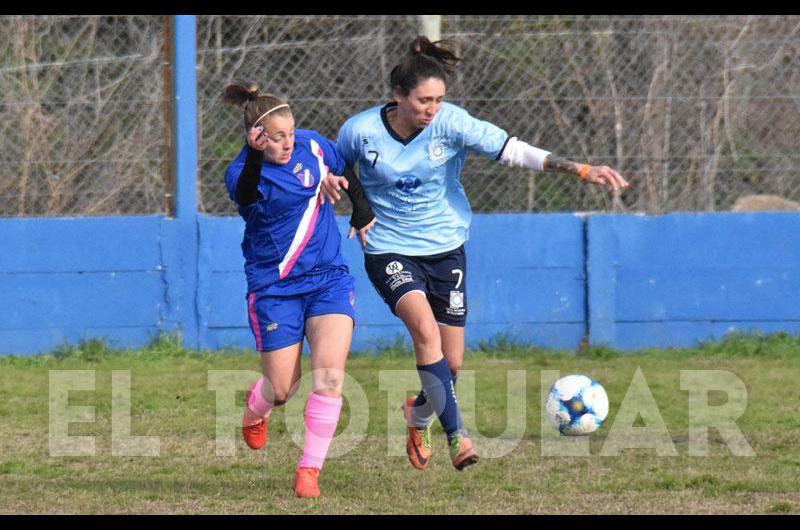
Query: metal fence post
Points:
[431, 26]
[185, 105]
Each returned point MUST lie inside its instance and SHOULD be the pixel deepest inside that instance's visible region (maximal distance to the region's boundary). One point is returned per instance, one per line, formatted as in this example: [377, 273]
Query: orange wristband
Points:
[584, 171]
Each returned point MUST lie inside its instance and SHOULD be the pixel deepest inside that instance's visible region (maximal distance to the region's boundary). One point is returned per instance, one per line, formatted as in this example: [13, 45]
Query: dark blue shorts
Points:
[442, 277]
[279, 321]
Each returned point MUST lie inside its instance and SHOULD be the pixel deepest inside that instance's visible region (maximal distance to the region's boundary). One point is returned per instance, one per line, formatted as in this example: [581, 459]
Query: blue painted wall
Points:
[677, 279]
[123, 279]
[62, 280]
[525, 281]
[672, 280]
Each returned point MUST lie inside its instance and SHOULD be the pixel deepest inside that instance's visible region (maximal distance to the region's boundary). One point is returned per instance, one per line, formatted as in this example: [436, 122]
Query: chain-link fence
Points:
[82, 115]
[695, 111]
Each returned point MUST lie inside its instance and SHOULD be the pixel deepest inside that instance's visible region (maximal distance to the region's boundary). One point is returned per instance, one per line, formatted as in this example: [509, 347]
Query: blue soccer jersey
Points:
[414, 185]
[288, 233]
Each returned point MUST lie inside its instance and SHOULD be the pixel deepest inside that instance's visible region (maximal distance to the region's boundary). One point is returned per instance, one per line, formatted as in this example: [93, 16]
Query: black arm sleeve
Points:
[362, 212]
[247, 185]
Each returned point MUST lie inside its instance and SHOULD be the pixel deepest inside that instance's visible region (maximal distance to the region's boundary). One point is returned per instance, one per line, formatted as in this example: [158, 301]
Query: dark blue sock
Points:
[422, 398]
[437, 384]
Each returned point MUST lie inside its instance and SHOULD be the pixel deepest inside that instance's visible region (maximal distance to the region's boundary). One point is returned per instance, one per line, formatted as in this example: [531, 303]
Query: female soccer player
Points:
[410, 153]
[298, 283]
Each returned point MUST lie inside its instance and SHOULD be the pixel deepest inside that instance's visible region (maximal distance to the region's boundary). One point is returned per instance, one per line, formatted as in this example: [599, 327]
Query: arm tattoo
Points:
[555, 163]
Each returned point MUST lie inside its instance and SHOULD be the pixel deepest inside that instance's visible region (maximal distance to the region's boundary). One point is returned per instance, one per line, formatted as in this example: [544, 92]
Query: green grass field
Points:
[196, 472]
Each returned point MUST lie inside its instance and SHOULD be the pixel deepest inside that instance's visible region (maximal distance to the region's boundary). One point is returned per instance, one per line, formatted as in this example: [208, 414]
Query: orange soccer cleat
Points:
[461, 452]
[254, 428]
[418, 445]
[305, 482]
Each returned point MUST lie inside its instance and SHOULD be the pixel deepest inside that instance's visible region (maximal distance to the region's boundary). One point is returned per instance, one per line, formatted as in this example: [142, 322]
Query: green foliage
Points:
[599, 352]
[168, 345]
[397, 347]
[87, 350]
[781, 507]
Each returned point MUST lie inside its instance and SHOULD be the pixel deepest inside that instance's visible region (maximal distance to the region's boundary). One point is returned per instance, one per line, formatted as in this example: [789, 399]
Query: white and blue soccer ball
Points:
[576, 405]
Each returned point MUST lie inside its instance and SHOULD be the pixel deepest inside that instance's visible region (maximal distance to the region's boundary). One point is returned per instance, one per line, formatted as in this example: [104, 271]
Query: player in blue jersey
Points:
[298, 284]
[409, 154]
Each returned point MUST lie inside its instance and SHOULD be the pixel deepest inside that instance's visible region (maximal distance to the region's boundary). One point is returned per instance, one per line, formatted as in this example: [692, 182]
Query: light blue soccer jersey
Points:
[414, 187]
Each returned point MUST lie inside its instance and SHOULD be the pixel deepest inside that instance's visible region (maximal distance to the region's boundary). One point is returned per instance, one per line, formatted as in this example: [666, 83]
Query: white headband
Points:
[273, 109]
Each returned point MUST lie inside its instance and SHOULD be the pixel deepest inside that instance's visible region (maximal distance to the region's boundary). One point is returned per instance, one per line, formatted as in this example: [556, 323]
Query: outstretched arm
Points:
[600, 175]
[517, 153]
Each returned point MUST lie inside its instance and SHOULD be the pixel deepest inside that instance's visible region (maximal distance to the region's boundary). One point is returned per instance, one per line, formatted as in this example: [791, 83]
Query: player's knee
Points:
[328, 379]
[425, 331]
[283, 393]
[280, 399]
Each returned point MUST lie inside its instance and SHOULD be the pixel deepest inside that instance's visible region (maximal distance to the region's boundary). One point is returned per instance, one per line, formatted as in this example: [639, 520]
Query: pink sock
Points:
[256, 403]
[322, 416]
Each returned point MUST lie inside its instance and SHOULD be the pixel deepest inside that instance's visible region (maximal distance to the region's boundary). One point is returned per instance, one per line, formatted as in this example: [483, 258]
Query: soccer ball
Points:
[576, 405]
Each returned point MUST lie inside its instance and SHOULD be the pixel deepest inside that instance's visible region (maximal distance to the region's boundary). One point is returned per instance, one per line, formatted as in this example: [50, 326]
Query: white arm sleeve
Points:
[520, 154]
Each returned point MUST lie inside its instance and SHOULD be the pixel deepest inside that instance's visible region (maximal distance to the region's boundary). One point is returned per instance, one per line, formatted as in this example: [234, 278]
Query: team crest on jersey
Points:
[437, 151]
[408, 183]
[304, 176]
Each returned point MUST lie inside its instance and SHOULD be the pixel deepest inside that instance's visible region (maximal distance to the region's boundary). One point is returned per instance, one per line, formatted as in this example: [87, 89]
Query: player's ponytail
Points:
[442, 51]
[255, 103]
[425, 59]
[240, 92]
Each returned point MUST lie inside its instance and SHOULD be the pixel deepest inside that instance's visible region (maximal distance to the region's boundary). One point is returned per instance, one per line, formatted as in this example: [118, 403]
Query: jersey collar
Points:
[384, 118]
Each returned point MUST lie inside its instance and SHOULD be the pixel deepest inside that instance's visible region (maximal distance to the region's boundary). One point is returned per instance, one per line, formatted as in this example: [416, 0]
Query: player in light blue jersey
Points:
[298, 283]
[409, 154]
